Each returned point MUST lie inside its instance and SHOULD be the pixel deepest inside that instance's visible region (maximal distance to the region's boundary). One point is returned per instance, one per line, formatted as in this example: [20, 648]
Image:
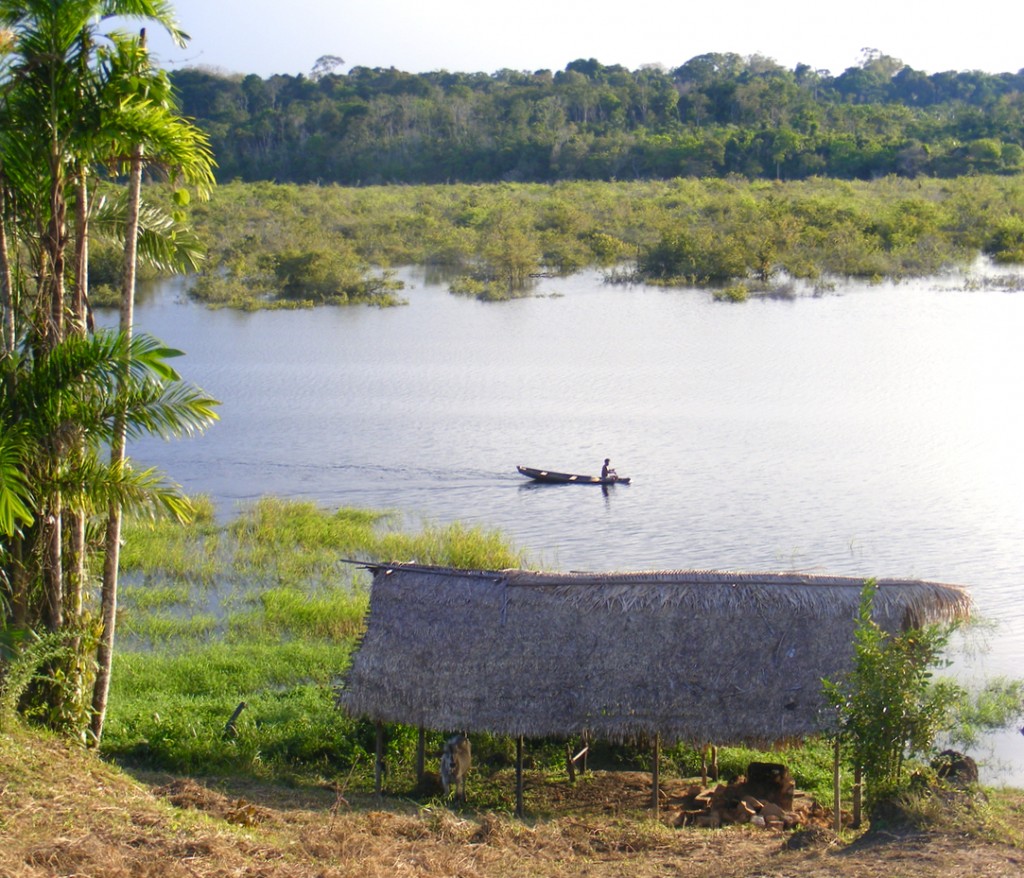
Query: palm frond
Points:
[15, 492]
[164, 242]
[168, 410]
[94, 485]
[156, 11]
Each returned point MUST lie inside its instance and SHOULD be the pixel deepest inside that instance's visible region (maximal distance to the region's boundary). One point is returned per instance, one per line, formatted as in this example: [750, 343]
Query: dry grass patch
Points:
[63, 812]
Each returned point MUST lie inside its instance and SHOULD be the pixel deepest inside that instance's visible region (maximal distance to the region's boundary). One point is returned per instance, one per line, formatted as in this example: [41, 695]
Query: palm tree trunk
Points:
[19, 583]
[6, 280]
[111, 560]
[53, 579]
[79, 300]
[54, 243]
[76, 517]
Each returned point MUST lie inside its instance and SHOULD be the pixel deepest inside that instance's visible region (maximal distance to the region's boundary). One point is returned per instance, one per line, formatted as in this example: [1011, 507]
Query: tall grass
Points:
[165, 550]
[266, 610]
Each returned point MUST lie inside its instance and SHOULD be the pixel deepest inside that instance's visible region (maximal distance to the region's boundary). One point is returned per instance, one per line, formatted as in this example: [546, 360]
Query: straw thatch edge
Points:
[618, 655]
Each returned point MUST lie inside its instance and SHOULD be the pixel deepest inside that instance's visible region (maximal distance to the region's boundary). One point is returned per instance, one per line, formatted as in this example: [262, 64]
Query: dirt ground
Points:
[63, 812]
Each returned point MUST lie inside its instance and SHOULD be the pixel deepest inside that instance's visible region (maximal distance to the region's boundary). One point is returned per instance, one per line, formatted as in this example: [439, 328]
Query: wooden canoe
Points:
[543, 475]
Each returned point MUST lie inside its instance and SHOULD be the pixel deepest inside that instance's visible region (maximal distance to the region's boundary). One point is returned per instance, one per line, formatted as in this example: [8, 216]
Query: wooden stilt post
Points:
[656, 776]
[378, 769]
[520, 811]
[858, 793]
[837, 799]
[421, 755]
[708, 769]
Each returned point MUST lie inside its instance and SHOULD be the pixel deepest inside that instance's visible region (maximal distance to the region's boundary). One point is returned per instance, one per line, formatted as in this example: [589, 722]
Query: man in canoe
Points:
[607, 472]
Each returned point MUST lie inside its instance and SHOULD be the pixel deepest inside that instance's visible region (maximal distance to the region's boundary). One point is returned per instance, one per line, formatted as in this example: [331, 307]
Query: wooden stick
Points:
[656, 776]
[421, 755]
[378, 770]
[519, 777]
[229, 730]
[858, 793]
[837, 801]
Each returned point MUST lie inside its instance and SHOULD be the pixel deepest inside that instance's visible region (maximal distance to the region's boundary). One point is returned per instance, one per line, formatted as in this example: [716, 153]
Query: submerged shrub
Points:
[1006, 243]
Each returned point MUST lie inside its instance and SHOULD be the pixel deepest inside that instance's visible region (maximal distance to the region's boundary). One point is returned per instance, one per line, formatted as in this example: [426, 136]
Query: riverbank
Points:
[63, 811]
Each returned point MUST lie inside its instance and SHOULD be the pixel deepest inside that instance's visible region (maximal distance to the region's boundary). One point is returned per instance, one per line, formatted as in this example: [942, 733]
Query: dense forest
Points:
[716, 115]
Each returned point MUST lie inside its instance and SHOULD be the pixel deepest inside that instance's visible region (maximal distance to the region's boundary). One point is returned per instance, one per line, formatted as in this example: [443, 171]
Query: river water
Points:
[874, 430]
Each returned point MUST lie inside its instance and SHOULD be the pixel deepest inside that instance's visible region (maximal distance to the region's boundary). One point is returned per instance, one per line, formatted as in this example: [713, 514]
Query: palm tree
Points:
[82, 387]
[48, 98]
[76, 102]
[150, 128]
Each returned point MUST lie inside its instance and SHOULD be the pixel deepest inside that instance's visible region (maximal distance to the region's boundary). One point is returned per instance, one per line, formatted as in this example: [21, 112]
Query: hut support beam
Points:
[421, 755]
[858, 793]
[577, 763]
[378, 765]
[520, 811]
[656, 776]
[708, 769]
[837, 800]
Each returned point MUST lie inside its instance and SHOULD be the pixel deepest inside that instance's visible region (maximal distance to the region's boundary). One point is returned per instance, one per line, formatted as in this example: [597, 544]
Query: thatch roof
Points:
[691, 655]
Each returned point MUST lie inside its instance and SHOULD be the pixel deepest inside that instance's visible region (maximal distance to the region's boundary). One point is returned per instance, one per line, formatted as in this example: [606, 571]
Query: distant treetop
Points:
[716, 114]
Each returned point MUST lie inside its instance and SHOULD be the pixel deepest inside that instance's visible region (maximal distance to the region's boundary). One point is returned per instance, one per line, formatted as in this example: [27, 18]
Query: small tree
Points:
[888, 706]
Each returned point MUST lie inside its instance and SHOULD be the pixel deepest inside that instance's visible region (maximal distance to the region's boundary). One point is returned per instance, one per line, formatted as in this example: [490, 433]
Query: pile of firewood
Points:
[766, 797]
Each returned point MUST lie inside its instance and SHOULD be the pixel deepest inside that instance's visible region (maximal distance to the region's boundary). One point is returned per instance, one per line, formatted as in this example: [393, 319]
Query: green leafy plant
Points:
[22, 655]
[890, 707]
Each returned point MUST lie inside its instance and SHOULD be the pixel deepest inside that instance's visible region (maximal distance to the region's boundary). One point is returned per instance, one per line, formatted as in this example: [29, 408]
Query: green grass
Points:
[170, 711]
[165, 550]
[335, 614]
[265, 609]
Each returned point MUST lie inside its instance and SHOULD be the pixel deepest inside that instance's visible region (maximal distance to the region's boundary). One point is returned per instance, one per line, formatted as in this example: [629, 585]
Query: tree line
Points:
[715, 115]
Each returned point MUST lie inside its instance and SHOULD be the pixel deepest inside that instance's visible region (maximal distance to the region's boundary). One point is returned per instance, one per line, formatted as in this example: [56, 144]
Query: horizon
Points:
[253, 37]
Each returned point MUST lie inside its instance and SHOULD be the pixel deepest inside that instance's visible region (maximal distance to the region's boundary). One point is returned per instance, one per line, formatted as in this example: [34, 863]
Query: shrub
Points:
[890, 709]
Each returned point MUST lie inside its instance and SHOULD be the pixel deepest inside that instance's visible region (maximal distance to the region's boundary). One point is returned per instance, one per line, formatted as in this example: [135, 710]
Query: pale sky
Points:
[287, 36]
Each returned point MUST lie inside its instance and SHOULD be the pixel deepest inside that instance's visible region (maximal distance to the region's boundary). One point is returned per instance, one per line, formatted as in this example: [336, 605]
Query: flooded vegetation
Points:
[287, 246]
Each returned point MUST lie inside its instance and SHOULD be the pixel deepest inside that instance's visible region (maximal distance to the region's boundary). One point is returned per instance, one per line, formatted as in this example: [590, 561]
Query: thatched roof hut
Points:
[691, 655]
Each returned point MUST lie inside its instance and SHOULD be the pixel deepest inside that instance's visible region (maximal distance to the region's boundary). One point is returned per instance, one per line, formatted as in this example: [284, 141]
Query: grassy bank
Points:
[264, 610]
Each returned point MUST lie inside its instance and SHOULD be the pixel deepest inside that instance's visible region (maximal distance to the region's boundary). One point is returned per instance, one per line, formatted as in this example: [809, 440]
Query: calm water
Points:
[871, 431]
